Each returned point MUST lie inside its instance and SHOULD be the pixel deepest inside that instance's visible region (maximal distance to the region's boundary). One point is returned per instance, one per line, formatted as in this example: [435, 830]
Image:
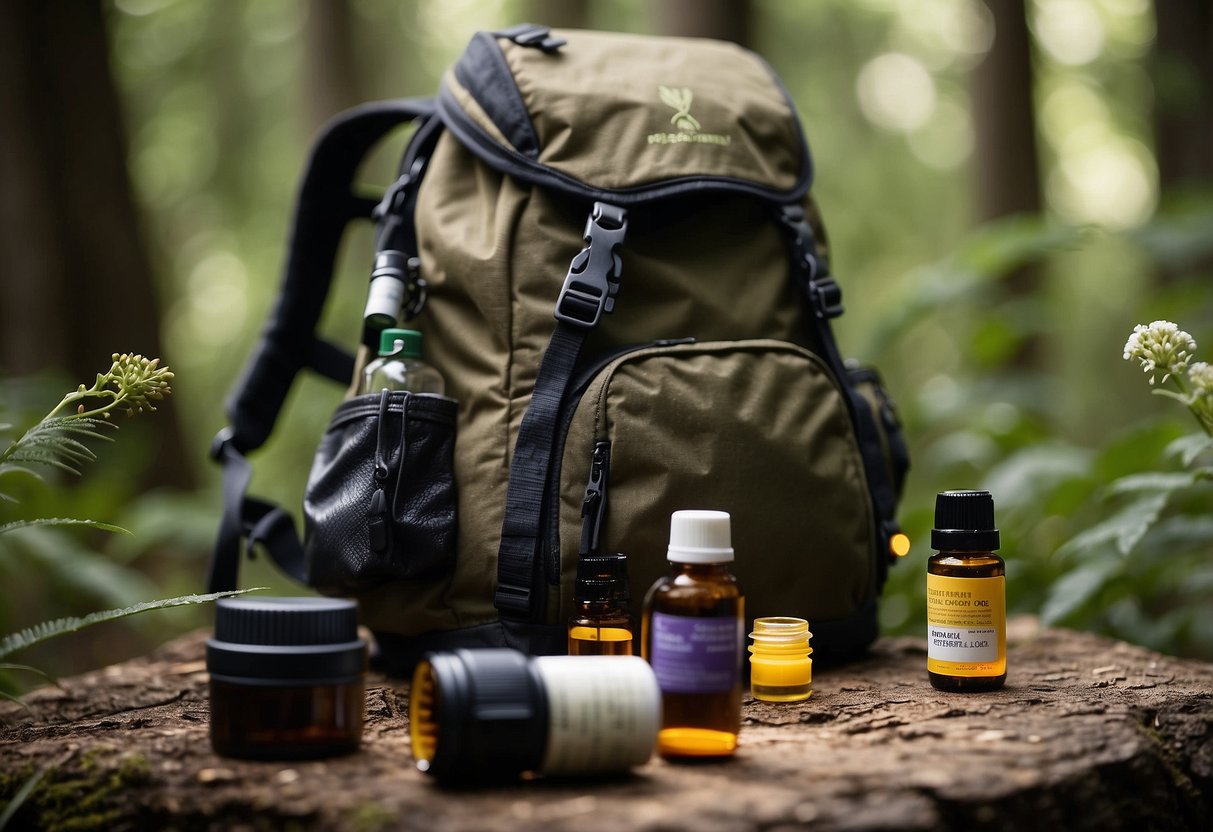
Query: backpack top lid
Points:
[626, 118]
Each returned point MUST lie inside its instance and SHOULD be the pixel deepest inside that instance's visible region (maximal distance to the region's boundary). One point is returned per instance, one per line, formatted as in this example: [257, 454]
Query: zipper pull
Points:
[534, 36]
[593, 507]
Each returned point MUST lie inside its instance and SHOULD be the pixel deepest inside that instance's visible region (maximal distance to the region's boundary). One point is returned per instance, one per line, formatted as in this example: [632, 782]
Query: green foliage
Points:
[49, 629]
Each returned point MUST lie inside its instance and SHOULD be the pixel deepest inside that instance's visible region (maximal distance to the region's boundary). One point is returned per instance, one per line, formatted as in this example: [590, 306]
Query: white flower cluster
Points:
[1160, 347]
[1201, 376]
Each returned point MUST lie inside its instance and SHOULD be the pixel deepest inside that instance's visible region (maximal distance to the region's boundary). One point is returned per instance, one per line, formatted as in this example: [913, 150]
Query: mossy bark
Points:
[1087, 734]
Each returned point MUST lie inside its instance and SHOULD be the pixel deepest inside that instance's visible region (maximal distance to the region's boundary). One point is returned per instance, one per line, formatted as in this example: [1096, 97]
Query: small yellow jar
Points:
[780, 667]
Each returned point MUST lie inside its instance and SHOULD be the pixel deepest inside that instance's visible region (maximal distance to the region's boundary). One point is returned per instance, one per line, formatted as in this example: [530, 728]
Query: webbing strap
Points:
[588, 293]
[825, 302]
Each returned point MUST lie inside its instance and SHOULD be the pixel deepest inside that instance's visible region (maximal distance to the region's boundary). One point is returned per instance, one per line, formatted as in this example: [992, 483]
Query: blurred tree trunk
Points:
[333, 77]
[1008, 177]
[77, 283]
[559, 14]
[1182, 70]
[1004, 120]
[721, 19]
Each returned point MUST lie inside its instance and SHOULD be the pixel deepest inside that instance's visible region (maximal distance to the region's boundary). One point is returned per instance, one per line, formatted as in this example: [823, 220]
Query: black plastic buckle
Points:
[397, 193]
[219, 444]
[823, 292]
[513, 600]
[534, 36]
[593, 280]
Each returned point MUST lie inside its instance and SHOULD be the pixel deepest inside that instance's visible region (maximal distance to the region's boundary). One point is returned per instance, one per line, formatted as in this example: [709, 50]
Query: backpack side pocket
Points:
[380, 500]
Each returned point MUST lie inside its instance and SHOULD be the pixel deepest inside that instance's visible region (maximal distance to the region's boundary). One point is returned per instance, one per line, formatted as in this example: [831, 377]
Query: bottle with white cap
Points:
[692, 633]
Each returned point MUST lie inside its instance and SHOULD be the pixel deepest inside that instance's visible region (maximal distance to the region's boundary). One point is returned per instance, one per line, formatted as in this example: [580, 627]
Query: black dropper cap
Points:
[964, 522]
[602, 578]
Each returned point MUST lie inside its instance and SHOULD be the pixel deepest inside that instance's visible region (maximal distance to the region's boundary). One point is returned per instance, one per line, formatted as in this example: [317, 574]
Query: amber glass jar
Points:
[287, 678]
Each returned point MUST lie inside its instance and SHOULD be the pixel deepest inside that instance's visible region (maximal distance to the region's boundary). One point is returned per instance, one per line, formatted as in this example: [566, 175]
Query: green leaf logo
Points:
[679, 99]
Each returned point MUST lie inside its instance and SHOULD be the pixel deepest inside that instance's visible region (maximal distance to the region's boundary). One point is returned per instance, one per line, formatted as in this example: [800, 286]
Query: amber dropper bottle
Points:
[692, 633]
[600, 624]
[966, 596]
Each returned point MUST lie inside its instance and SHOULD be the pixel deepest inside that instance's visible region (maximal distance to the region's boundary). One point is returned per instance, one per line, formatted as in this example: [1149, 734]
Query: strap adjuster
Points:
[219, 444]
[823, 292]
[513, 599]
[826, 296]
[593, 280]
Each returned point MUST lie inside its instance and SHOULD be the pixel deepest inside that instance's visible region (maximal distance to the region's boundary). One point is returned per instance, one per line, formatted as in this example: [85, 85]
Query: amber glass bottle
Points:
[966, 596]
[600, 624]
[691, 633]
[286, 678]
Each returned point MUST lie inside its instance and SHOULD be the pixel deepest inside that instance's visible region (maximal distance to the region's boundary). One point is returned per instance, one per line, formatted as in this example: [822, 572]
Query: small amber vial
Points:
[966, 596]
[287, 678]
[691, 633]
[601, 624]
[780, 667]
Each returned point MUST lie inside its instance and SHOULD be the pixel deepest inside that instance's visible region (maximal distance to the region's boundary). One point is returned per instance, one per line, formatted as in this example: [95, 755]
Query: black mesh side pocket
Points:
[380, 500]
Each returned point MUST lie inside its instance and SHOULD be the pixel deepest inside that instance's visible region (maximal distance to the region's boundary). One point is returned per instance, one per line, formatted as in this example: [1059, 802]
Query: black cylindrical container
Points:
[287, 678]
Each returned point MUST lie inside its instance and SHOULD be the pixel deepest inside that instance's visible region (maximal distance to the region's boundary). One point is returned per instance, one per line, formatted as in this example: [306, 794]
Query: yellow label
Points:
[966, 626]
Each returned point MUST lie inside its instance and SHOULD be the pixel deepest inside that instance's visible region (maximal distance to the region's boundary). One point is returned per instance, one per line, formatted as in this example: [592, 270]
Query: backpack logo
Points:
[679, 100]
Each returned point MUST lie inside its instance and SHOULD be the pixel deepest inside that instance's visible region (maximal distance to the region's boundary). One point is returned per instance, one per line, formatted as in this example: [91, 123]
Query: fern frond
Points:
[58, 443]
[25, 668]
[60, 626]
[61, 521]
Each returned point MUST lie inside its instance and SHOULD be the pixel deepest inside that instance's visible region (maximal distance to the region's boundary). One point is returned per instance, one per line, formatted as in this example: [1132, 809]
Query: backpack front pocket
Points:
[760, 429]
[380, 500]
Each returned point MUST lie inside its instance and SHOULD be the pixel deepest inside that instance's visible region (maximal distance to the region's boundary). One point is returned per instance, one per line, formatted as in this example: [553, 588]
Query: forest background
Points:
[1009, 187]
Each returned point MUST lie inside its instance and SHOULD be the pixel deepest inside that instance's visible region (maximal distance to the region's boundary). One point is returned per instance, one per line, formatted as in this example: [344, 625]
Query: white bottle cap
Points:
[700, 537]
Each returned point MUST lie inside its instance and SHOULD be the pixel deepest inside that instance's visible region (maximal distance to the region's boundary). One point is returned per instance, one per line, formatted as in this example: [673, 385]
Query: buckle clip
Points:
[593, 280]
[219, 444]
[396, 194]
[823, 292]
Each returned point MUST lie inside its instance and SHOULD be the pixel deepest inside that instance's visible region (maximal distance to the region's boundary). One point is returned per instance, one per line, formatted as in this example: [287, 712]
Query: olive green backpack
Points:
[609, 245]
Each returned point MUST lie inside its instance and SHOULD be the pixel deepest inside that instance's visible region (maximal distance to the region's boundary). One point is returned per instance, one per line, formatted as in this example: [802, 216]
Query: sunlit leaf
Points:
[1153, 481]
[1189, 448]
[60, 521]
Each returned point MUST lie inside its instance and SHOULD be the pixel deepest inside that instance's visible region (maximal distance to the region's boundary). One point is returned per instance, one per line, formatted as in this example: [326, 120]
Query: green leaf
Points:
[1123, 529]
[60, 626]
[25, 668]
[1189, 447]
[1076, 588]
[61, 521]
[1153, 481]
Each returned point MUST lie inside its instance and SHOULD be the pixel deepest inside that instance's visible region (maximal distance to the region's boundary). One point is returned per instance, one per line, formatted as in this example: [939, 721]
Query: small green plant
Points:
[1143, 569]
[58, 441]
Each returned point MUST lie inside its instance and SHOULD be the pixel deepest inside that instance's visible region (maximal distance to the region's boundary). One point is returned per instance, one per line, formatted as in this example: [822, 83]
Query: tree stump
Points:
[1088, 733]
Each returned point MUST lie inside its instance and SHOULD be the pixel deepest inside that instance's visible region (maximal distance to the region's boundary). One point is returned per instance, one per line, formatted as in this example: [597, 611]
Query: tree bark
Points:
[720, 19]
[559, 14]
[1088, 734]
[1008, 168]
[332, 60]
[1182, 71]
[77, 284]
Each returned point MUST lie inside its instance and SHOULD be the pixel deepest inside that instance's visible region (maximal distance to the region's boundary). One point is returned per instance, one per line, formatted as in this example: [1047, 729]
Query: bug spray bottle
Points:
[966, 596]
[691, 633]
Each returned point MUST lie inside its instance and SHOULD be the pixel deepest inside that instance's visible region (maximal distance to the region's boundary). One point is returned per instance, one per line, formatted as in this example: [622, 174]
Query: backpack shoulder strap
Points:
[325, 205]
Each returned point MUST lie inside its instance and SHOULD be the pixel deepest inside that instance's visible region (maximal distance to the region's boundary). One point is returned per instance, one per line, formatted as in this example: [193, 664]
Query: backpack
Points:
[608, 244]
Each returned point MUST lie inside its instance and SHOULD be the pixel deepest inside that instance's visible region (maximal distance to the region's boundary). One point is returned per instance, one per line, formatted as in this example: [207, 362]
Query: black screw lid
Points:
[286, 641]
[964, 521]
[602, 578]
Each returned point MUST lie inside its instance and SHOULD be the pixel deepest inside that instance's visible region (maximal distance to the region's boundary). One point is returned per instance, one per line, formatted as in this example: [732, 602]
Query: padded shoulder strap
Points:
[324, 207]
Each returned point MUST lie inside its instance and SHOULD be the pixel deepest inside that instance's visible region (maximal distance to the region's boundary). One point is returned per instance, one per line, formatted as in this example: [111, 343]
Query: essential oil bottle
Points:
[966, 596]
[691, 633]
[600, 624]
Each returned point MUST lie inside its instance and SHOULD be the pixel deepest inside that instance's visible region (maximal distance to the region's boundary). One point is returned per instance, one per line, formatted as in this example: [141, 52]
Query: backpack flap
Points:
[624, 118]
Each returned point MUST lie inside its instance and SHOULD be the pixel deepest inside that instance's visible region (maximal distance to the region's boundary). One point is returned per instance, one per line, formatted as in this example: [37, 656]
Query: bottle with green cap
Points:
[400, 366]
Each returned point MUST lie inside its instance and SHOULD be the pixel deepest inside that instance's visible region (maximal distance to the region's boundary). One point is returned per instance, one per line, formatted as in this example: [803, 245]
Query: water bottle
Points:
[400, 367]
